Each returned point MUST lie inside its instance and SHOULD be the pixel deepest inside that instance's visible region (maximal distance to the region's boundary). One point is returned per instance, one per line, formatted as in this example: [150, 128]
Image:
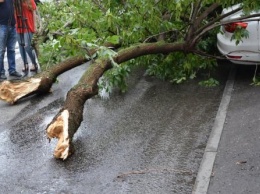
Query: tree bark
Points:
[12, 91]
[66, 123]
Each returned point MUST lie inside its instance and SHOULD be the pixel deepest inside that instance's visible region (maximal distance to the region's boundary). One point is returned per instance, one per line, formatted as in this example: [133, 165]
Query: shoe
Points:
[3, 77]
[25, 69]
[15, 74]
[34, 68]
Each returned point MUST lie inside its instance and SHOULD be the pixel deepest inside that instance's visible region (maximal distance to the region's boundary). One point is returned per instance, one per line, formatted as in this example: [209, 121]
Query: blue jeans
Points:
[7, 41]
[25, 40]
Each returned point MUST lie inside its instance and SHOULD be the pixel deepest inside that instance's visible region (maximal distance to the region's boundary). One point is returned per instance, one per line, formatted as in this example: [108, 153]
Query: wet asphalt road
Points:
[149, 140]
[237, 165]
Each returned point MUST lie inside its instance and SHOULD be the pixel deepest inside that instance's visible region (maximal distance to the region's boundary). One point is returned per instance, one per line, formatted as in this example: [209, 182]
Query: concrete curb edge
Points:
[205, 170]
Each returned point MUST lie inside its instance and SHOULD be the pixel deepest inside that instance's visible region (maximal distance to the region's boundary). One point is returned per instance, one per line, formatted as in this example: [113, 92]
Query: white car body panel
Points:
[248, 48]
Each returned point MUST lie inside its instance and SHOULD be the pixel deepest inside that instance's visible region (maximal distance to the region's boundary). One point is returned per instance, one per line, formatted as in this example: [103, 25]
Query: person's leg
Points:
[29, 48]
[11, 41]
[21, 41]
[3, 38]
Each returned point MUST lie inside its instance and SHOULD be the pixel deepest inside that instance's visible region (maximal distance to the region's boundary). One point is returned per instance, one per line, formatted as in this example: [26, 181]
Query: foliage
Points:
[115, 77]
[177, 67]
[239, 34]
[208, 42]
[256, 81]
[75, 26]
[211, 82]
[256, 78]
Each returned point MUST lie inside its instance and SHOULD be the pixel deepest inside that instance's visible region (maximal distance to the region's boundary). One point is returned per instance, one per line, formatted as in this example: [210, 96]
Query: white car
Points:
[247, 52]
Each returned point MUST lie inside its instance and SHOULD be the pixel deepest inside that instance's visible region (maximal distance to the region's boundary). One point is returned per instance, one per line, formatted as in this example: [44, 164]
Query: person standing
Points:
[7, 39]
[25, 15]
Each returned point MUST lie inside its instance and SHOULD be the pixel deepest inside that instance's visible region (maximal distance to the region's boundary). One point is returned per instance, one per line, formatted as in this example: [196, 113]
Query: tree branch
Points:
[217, 20]
[66, 123]
[205, 14]
[192, 21]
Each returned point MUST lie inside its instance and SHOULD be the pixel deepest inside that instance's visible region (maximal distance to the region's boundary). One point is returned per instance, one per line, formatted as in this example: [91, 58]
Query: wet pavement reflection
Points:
[148, 140]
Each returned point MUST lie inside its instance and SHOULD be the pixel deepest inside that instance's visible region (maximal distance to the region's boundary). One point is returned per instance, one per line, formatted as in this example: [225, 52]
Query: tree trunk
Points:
[66, 123]
[12, 91]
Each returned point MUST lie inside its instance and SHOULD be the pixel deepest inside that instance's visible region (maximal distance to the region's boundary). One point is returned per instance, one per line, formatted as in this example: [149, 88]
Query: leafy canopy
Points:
[75, 26]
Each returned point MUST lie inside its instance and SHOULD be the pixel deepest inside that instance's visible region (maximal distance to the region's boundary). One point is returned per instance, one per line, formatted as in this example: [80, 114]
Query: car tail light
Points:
[233, 26]
[234, 57]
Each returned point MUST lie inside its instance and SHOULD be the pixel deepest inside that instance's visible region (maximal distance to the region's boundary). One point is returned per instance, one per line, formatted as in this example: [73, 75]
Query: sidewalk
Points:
[231, 162]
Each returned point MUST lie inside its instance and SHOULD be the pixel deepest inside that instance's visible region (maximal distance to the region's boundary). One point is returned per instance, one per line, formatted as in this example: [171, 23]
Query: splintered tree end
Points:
[11, 91]
[59, 129]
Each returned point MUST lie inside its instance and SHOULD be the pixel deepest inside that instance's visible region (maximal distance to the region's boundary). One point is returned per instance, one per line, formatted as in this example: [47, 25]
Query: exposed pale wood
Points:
[12, 91]
[59, 130]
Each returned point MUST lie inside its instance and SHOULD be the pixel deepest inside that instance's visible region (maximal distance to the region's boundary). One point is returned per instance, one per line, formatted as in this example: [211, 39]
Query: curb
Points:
[203, 177]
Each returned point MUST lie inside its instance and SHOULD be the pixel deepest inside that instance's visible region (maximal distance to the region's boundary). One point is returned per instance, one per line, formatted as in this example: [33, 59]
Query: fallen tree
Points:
[68, 120]
[184, 39]
[12, 91]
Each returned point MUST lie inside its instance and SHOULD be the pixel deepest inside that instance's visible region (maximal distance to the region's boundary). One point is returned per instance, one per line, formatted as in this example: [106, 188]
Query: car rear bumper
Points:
[245, 55]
